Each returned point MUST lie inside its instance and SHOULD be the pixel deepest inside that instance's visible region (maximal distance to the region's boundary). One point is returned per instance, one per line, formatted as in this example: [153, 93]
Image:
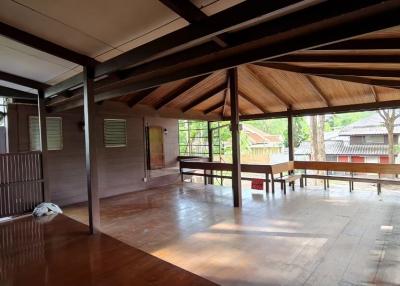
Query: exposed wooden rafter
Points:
[358, 79]
[44, 45]
[205, 96]
[374, 93]
[317, 91]
[22, 81]
[334, 71]
[139, 96]
[252, 101]
[332, 58]
[267, 88]
[188, 11]
[214, 107]
[179, 91]
[364, 44]
[16, 94]
[392, 104]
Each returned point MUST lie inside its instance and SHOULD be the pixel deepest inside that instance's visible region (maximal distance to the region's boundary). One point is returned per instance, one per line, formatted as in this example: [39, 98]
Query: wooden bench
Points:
[290, 177]
[351, 168]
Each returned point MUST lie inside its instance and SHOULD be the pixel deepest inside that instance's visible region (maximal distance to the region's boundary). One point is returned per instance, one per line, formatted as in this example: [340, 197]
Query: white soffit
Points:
[17, 87]
[24, 61]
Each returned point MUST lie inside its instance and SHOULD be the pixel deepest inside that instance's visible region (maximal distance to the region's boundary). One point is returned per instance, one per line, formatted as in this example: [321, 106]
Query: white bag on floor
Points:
[46, 209]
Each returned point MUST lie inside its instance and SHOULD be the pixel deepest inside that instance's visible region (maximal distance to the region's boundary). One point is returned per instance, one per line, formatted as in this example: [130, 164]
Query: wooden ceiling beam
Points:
[317, 90]
[179, 91]
[188, 11]
[44, 45]
[393, 104]
[253, 102]
[357, 79]
[274, 93]
[333, 71]
[8, 92]
[22, 81]
[205, 96]
[310, 58]
[363, 44]
[214, 107]
[139, 96]
[374, 93]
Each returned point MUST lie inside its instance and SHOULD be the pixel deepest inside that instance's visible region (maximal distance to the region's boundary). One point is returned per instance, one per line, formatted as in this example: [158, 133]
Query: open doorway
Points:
[155, 147]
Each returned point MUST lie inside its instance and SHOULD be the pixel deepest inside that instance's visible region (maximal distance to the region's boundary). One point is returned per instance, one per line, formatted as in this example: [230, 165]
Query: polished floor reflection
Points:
[309, 237]
[57, 250]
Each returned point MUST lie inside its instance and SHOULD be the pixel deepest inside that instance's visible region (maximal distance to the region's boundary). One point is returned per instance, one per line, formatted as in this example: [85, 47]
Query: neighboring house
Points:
[363, 141]
[262, 145]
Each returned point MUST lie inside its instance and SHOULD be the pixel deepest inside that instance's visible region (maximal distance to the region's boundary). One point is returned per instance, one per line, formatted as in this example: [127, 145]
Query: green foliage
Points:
[301, 130]
[336, 121]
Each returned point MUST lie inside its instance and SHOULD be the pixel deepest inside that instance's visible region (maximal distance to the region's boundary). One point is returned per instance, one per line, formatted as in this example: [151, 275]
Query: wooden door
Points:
[155, 148]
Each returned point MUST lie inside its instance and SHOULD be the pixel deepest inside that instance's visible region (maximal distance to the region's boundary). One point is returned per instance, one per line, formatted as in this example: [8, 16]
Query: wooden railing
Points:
[348, 167]
[21, 182]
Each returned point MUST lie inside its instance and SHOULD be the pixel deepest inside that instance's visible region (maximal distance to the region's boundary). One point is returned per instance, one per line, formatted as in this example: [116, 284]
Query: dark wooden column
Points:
[89, 108]
[236, 170]
[43, 145]
[210, 149]
[290, 135]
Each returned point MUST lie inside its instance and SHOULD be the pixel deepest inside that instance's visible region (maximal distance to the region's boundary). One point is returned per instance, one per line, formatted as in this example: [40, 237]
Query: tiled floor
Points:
[309, 237]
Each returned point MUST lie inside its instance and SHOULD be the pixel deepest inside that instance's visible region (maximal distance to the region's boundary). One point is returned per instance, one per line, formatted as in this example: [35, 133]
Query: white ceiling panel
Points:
[111, 22]
[21, 60]
[17, 86]
[31, 21]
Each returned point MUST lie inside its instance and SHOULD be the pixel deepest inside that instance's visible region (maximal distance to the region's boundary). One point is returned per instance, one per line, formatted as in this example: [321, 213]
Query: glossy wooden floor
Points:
[60, 252]
[309, 237]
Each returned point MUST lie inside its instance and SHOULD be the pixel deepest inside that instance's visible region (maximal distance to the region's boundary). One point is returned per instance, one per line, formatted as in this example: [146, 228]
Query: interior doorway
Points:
[155, 141]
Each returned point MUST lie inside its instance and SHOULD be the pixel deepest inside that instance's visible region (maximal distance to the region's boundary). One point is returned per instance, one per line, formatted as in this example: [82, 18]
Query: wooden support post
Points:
[272, 183]
[43, 145]
[290, 135]
[236, 170]
[267, 183]
[210, 149]
[89, 108]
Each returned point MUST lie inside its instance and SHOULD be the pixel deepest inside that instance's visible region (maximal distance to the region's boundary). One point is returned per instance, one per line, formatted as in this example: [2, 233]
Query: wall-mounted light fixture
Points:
[165, 131]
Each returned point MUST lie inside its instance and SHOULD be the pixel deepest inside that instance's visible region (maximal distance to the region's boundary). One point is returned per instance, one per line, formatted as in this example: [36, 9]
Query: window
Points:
[115, 133]
[374, 139]
[54, 133]
[193, 138]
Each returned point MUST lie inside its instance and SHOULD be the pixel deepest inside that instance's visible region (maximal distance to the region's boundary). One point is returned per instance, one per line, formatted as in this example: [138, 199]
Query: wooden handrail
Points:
[349, 167]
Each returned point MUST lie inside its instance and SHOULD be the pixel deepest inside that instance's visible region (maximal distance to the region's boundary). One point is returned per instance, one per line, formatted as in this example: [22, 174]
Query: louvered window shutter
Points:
[54, 133]
[115, 133]
[34, 137]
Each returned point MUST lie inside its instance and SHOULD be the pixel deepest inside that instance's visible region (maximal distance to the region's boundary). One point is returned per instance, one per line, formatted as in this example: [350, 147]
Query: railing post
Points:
[236, 170]
[210, 149]
[290, 135]
[90, 150]
[43, 145]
